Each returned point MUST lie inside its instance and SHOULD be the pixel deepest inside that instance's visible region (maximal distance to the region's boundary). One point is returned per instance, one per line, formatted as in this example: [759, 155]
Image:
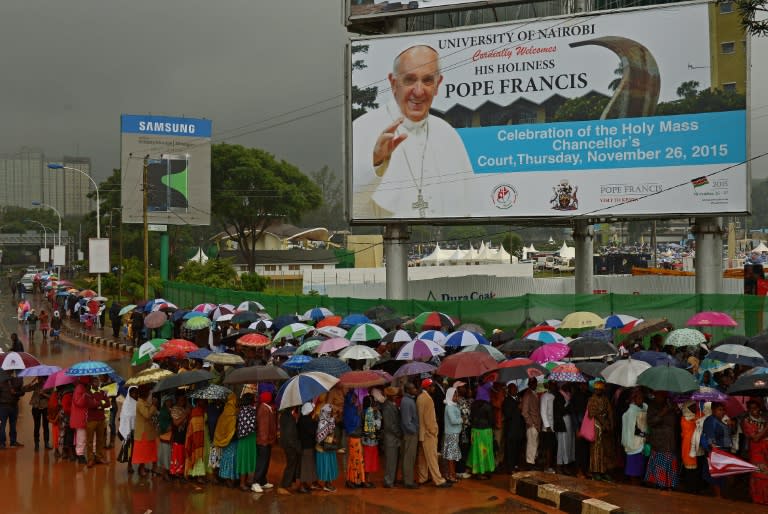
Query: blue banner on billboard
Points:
[164, 125]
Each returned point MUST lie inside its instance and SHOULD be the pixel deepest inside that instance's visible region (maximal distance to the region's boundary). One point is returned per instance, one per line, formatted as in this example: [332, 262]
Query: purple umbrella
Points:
[704, 394]
[419, 349]
[414, 368]
[40, 370]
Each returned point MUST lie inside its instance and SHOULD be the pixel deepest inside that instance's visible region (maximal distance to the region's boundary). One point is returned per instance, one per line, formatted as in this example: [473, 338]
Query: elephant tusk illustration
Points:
[638, 91]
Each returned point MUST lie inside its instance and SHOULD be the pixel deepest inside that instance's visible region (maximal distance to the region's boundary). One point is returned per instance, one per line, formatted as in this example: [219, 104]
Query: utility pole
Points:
[145, 199]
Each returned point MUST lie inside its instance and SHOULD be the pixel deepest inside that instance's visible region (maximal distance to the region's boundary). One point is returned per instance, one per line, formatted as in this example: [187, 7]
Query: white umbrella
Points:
[332, 332]
[624, 372]
[13, 361]
[358, 352]
[305, 387]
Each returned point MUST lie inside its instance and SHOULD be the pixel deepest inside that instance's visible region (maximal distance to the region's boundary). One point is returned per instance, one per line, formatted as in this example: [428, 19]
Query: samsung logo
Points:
[160, 126]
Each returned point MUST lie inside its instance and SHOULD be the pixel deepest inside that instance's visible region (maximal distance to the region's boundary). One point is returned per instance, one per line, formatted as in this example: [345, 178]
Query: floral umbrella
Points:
[211, 392]
[685, 337]
[550, 352]
[566, 373]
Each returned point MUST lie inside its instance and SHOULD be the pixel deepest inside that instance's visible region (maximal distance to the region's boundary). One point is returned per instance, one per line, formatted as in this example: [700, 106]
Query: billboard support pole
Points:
[583, 234]
[396, 257]
[164, 251]
[145, 198]
[709, 251]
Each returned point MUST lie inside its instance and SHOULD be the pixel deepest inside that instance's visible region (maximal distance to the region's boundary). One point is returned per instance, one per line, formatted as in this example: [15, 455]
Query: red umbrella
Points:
[467, 364]
[181, 344]
[538, 328]
[723, 464]
[27, 359]
[330, 321]
[173, 352]
[254, 340]
[87, 293]
[366, 378]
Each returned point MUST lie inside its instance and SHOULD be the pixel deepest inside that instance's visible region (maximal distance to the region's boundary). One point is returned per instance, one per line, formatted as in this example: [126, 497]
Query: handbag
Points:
[328, 444]
[587, 430]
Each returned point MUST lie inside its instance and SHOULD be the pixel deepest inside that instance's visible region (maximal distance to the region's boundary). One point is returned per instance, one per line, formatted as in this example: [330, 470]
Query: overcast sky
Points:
[71, 67]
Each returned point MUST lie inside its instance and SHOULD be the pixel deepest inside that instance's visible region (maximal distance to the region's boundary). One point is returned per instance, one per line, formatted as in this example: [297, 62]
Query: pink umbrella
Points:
[332, 345]
[550, 352]
[59, 378]
[711, 319]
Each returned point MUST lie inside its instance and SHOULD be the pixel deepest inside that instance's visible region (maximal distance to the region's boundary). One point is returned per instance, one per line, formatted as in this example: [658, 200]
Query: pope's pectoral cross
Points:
[421, 205]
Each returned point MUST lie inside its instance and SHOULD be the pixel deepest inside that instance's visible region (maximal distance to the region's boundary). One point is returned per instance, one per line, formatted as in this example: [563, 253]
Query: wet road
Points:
[35, 482]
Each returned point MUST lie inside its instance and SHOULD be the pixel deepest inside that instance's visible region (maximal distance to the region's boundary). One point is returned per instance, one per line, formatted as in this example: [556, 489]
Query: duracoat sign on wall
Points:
[594, 116]
[177, 153]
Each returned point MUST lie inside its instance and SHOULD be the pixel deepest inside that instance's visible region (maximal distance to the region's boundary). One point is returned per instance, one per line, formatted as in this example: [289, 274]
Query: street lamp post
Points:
[56, 166]
[45, 234]
[54, 209]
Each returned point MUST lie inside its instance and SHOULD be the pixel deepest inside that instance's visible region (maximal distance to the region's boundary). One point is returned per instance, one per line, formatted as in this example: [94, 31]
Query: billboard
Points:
[367, 9]
[602, 115]
[177, 154]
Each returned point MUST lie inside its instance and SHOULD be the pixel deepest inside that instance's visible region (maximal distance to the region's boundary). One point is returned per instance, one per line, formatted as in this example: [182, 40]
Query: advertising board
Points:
[177, 154]
[368, 9]
[630, 113]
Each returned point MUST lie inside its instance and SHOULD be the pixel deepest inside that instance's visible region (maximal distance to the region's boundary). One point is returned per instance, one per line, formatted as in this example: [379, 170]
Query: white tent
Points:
[470, 256]
[567, 252]
[483, 254]
[199, 257]
[761, 248]
[502, 256]
[457, 257]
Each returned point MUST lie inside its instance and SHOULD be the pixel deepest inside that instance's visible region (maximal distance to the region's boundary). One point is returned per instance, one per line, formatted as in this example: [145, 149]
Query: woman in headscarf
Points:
[453, 424]
[755, 428]
[353, 427]
[196, 443]
[600, 450]
[165, 434]
[634, 426]
[370, 440]
[307, 427]
[126, 429]
[224, 438]
[179, 418]
[663, 464]
[481, 458]
[246, 440]
[326, 446]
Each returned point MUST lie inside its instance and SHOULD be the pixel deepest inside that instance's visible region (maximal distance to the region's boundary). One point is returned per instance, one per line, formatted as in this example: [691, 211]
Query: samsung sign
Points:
[165, 126]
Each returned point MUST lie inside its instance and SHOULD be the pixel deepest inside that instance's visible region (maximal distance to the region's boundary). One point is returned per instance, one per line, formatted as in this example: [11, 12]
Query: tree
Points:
[217, 273]
[584, 108]
[331, 213]
[362, 98]
[754, 16]
[251, 190]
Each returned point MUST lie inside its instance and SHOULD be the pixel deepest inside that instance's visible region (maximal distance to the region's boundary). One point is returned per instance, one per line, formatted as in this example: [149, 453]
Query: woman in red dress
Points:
[755, 428]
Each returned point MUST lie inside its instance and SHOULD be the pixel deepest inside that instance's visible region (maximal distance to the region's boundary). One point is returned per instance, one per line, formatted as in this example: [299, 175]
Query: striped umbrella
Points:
[464, 338]
[205, 308]
[398, 336]
[250, 305]
[432, 335]
[318, 313]
[293, 331]
[366, 332]
[419, 349]
[547, 337]
[434, 320]
[619, 320]
[304, 388]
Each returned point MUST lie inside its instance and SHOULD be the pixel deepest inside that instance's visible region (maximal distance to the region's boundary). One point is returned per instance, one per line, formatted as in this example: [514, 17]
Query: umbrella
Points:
[332, 345]
[244, 318]
[356, 352]
[211, 392]
[197, 323]
[41, 370]
[588, 348]
[685, 337]
[398, 336]
[200, 353]
[525, 346]
[738, 354]
[284, 351]
[704, 394]
[486, 348]
[224, 317]
[87, 368]
[582, 319]
[17, 360]
[471, 364]
[734, 339]
[182, 379]
[59, 378]
[181, 344]
[432, 335]
[304, 388]
[366, 332]
[226, 359]
[331, 331]
[87, 293]
[711, 319]
[750, 385]
[205, 308]
[329, 365]
[251, 306]
[263, 325]
[307, 346]
[150, 304]
[667, 378]
[232, 338]
[363, 379]
[464, 338]
[655, 358]
[547, 337]
[194, 314]
[125, 310]
[759, 343]
[144, 353]
[170, 353]
[380, 312]
[330, 321]
[723, 464]
[539, 328]
[292, 331]
[254, 340]
[419, 349]
[318, 313]
[519, 369]
[598, 333]
[434, 320]
[155, 319]
[354, 319]
[164, 306]
[714, 366]
[148, 376]
[414, 368]
[178, 315]
[645, 327]
[591, 368]
[297, 361]
[284, 320]
[254, 374]
[472, 327]
[566, 373]
[502, 336]
[619, 320]
[550, 352]
[625, 372]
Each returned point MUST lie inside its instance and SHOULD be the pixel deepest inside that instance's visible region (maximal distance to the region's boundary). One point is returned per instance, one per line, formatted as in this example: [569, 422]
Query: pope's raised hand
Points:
[387, 142]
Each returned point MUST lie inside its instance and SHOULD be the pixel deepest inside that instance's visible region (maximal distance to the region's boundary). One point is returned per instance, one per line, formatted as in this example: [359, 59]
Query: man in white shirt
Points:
[406, 162]
[548, 440]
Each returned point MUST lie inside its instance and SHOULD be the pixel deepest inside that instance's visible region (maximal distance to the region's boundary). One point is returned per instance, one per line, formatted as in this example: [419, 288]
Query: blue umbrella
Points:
[40, 370]
[354, 319]
[193, 314]
[297, 361]
[318, 313]
[464, 338]
[62, 293]
[202, 353]
[329, 365]
[179, 314]
[87, 368]
[656, 358]
[284, 351]
[304, 388]
[283, 321]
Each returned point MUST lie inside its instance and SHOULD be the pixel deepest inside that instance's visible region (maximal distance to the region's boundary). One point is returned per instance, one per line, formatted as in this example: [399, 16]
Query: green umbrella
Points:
[293, 331]
[685, 337]
[144, 353]
[197, 323]
[307, 346]
[667, 378]
[366, 332]
[125, 310]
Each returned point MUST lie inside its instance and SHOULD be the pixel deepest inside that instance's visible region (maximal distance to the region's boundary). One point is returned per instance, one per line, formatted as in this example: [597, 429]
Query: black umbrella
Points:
[389, 365]
[591, 368]
[586, 348]
[735, 339]
[244, 318]
[521, 346]
[647, 327]
[182, 379]
[750, 385]
[759, 343]
[330, 365]
[502, 337]
[398, 336]
[231, 339]
[380, 312]
[391, 323]
[504, 375]
[283, 321]
[253, 374]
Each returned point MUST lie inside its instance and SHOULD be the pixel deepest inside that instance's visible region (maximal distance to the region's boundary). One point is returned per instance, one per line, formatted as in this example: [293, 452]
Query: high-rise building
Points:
[25, 177]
